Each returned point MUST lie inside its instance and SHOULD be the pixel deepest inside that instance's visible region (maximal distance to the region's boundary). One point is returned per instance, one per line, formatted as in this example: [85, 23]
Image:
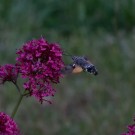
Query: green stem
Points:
[16, 85]
[17, 106]
[19, 101]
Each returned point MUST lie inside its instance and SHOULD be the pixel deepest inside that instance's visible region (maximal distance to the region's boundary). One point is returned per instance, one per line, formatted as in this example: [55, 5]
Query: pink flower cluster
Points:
[131, 129]
[40, 63]
[7, 125]
[8, 72]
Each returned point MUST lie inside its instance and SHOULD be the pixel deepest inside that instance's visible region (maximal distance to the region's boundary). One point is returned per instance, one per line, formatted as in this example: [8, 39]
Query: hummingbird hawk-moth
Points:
[80, 63]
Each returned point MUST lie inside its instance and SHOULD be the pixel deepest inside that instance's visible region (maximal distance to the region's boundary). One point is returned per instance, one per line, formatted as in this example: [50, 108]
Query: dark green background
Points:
[104, 31]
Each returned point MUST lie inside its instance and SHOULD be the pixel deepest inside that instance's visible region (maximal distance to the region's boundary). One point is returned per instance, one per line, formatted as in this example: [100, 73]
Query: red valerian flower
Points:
[40, 63]
[7, 125]
[131, 129]
[8, 72]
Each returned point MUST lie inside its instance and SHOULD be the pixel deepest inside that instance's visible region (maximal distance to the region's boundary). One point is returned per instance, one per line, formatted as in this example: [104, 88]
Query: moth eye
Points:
[73, 65]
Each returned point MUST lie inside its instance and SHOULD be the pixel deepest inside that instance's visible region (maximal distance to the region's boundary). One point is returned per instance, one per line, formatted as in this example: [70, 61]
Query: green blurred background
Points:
[104, 31]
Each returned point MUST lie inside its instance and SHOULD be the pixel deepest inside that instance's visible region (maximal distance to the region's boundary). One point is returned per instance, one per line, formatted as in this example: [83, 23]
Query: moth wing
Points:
[67, 69]
[72, 68]
[77, 69]
[87, 60]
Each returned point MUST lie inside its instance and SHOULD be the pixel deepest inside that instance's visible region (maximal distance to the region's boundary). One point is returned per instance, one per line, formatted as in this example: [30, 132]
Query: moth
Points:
[79, 64]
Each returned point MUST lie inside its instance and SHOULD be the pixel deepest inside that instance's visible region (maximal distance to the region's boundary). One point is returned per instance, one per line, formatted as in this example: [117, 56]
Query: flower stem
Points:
[16, 85]
[17, 106]
[18, 103]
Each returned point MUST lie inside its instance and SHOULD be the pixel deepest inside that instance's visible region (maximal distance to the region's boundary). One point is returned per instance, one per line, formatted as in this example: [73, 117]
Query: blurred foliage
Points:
[66, 16]
[103, 30]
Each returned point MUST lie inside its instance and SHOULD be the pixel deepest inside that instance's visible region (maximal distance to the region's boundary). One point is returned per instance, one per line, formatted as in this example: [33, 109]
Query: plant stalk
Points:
[19, 101]
[17, 106]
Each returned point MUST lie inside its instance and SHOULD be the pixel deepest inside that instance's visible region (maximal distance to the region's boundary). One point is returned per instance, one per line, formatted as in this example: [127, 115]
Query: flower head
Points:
[40, 63]
[131, 129]
[7, 125]
[8, 72]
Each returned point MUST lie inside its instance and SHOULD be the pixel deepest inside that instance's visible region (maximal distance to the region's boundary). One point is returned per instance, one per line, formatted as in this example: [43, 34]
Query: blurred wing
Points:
[77, 69]
[86, 59]
[72, 68]
[68, 69]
